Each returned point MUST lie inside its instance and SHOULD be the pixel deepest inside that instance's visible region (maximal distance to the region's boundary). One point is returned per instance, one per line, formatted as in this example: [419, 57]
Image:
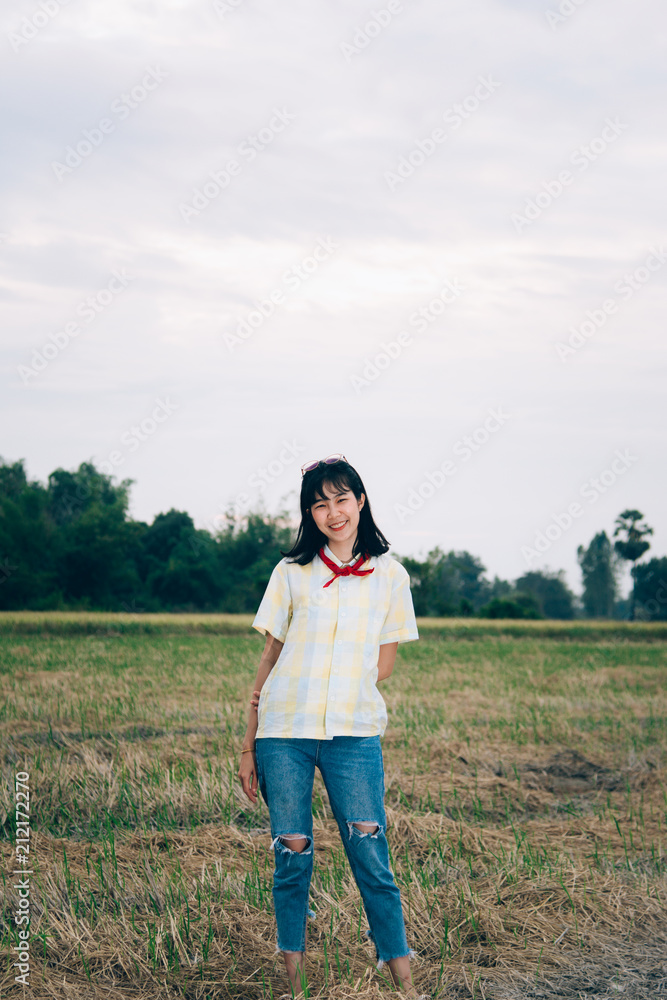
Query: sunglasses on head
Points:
[330, 460]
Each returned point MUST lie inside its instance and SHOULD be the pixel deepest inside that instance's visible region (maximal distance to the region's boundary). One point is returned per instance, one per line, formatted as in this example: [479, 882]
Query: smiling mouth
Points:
[338, 527]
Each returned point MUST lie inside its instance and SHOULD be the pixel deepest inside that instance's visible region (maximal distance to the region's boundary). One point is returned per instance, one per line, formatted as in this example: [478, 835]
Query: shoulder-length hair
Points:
[309, 540]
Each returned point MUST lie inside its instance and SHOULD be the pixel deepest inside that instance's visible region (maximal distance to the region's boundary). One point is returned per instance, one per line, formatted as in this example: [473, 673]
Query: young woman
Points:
[334, 610]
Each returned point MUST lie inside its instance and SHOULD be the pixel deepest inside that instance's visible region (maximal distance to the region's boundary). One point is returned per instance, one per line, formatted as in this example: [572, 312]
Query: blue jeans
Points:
[353, 775]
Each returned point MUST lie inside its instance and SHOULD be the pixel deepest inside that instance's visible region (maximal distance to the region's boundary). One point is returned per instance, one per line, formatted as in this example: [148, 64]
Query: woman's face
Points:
[336, 513]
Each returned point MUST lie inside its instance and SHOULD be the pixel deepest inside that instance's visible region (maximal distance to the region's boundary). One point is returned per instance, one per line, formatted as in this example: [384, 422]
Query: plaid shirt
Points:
[323, 684]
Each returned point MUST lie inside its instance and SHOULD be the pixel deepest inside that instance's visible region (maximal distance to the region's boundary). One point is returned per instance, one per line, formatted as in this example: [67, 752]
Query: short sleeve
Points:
[275, 610]
[400, 624]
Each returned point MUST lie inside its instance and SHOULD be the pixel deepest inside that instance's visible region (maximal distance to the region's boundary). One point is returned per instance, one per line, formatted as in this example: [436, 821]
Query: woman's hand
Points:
[248, 767]
[248, 775]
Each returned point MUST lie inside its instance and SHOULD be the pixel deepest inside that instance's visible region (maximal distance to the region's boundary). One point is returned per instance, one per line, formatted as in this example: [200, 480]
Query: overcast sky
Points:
[240, 235]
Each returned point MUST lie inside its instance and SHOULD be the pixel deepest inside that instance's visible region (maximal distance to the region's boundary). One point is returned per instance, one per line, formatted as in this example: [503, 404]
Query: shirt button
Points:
[343, 613]
[332, 698]
[340, 642]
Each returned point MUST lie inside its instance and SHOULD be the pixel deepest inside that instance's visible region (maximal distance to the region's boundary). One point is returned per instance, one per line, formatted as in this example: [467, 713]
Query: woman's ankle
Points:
[401, 973]
[294, 965]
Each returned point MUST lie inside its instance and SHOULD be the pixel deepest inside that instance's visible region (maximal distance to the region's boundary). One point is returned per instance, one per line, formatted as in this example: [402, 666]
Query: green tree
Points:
[650, 590]
[249, 548]
[452, 583]
[435, 584]
[94, 538]
[633, 546]
[518, 606]
[553, 597]
[28, 543]
[179, 565]
[71, 494]
[473, 589]
[598, 568]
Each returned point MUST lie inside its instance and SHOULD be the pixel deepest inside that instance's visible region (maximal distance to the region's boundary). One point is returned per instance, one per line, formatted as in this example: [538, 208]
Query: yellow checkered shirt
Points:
[323, 683]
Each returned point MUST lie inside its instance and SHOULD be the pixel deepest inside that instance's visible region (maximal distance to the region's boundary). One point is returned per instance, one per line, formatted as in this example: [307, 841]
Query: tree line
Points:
[70, 544]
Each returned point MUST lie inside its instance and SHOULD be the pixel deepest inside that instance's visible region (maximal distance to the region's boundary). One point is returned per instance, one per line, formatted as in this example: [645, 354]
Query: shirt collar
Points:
[330, 555]
[334, 558]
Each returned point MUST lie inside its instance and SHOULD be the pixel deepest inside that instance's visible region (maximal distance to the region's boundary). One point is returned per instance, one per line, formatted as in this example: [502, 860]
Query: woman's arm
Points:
[248, 767]
[386, 659]
[272, 649]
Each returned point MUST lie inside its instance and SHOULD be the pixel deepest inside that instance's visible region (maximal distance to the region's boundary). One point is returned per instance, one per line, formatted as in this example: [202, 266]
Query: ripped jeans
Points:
[353, 775]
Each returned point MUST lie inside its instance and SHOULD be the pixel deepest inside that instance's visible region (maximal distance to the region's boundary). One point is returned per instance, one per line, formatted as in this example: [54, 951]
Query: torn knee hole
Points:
[367, 827]
[294, 843]
[364, 828]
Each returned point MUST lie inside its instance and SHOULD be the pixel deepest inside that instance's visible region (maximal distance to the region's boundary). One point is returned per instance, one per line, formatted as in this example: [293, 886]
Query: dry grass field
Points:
[526, 796]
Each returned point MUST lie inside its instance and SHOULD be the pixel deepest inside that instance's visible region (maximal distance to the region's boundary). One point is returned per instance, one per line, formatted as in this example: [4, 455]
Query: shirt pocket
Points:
[378, 615]
[374, 624]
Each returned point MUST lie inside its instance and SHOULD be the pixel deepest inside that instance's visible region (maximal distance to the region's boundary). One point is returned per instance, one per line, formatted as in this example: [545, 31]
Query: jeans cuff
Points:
[383, 961]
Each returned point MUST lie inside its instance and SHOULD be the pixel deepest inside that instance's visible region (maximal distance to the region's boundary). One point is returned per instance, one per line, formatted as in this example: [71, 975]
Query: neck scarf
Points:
[344, 570]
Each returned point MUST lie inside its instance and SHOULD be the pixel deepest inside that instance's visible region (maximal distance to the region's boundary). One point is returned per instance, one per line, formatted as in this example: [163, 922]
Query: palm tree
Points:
[633, 546]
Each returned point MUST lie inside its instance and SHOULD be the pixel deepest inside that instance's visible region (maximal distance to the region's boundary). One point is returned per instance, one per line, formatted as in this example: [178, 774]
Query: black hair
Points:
[309, 540]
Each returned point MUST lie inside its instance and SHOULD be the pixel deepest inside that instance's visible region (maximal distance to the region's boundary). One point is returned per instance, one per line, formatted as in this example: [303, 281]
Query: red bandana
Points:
[344, 570]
